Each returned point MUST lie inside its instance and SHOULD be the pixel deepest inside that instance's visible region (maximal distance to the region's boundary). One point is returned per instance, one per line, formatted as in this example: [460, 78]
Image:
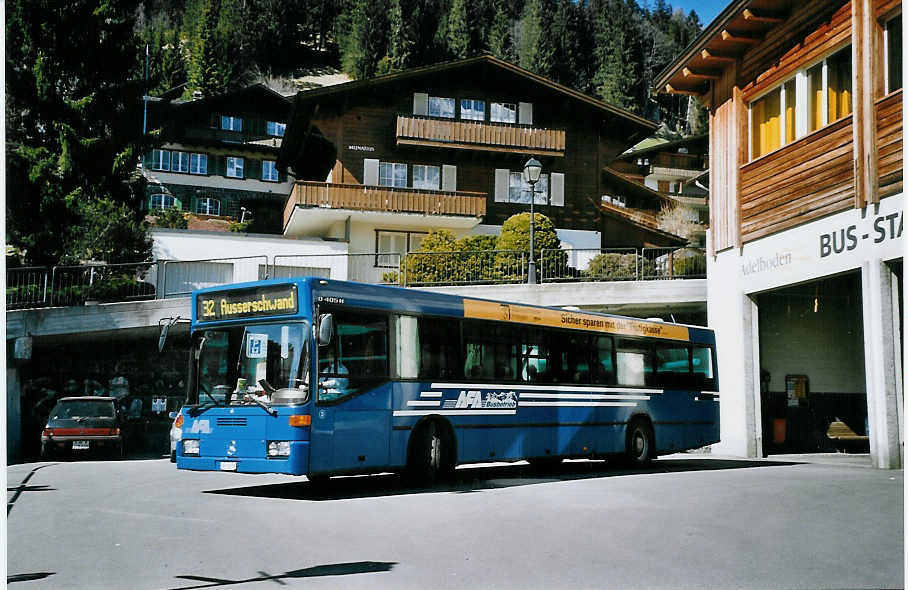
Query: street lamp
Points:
[531, 171]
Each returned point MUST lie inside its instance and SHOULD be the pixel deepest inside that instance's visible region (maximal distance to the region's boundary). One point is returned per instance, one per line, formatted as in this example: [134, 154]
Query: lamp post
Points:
[531, 171]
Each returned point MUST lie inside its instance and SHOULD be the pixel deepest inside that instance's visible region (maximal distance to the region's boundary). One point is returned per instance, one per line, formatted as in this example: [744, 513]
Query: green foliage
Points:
[460, 30]
[109, 232]
[390, 277]
[73, 116]
[118, 287]
[535, 48]
[236, 226]
[367, 38]
[171, 218]
[501, 37]
[688, 262]
[617, 267]
[515, 236]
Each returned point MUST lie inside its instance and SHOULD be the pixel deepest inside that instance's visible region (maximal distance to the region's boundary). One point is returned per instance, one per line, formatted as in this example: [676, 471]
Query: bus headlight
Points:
[278, 448]
[190, 446]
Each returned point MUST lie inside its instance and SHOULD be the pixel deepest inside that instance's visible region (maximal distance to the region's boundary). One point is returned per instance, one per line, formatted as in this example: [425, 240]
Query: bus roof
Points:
[418, 301]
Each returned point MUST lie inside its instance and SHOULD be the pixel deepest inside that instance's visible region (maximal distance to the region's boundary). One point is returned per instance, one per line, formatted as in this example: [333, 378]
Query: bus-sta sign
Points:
[247, 303]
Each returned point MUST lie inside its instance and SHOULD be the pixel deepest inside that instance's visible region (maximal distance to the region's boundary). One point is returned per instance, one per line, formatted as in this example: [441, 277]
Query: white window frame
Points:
[269, 171]
[420, 177]
[541, 189]
[231, 123]
[802, 103]
[886, 52]
[474, 114]
[235, 167]
[166, 202]
[394, 179]
[275, 128]
[497, 108]
[203, 206]
[437, 110]
[382, 260]
[158, 161]
[198, 164]
[179, 162]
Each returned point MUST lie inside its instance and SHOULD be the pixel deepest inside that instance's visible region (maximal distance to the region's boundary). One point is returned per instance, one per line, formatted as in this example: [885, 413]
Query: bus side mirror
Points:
[325, 329]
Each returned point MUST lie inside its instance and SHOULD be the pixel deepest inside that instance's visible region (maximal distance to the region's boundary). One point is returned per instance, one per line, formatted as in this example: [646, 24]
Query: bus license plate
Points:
[80, 444]
[228, 465]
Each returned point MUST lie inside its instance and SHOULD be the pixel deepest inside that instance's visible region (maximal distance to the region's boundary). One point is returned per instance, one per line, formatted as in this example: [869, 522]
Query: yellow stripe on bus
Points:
[506, 312]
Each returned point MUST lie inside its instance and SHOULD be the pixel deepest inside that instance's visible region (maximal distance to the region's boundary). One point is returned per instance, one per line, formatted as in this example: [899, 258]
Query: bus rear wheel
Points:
[640, 444]
[431, 454]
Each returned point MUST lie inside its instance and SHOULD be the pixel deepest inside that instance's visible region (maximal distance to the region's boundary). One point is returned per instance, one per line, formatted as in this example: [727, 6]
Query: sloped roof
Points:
[640, 219]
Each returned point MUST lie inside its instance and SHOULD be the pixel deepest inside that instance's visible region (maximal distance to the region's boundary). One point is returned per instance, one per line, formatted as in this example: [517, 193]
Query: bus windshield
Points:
[267, 362]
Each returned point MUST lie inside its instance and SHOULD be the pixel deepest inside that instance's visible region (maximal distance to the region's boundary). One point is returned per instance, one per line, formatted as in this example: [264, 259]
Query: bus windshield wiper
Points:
[262, 404]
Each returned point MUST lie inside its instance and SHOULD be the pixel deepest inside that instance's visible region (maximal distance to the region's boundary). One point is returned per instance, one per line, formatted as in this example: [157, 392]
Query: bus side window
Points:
[702, 366]
[490, 351]
[535, 357]
[439, 348]
[635, 363]
[672, 365]
[603, 371]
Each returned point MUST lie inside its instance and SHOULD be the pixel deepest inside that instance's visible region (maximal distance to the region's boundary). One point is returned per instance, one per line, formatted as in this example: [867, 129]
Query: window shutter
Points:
[448, 178]
[370, 171]
[525, 113]
[253, 168]
[557, 189]
[420, 103]
[502, 182]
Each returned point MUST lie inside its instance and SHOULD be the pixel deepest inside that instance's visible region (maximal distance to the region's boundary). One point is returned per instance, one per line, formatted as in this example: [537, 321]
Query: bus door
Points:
[352, 426]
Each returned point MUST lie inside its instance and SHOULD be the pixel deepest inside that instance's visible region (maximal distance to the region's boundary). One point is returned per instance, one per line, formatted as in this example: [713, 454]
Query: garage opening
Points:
[812, 367]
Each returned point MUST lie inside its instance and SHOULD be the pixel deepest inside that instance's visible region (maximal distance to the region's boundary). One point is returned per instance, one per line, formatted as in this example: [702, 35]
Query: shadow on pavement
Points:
[28, 577]
[469, 479]
[333, 569]
[24, 487]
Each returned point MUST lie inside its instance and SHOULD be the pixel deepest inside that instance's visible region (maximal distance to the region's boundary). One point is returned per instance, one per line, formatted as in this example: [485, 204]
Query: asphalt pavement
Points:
[688, 521]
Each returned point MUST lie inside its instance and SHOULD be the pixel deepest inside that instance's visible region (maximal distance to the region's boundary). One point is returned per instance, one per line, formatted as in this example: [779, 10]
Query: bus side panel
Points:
[684, 420]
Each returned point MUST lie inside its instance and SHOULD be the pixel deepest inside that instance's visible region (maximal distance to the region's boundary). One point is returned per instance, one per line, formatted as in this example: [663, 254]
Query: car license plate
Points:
[228, 465]
[80, 444]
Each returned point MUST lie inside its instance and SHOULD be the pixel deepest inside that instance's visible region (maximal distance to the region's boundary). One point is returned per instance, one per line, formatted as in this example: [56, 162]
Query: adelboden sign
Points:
[247, 303]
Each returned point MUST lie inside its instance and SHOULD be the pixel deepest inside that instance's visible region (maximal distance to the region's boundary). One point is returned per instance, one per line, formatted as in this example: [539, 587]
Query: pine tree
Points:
[614, 73]
[534, 46]
[400, 43]
[73, 106]
[459, 33]
[367, 39]
[206, 75]
[501, 36]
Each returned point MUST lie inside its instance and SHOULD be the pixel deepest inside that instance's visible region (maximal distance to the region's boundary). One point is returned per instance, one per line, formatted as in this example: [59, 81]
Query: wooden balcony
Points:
[331, 202]
[889, 143]
[478, 135]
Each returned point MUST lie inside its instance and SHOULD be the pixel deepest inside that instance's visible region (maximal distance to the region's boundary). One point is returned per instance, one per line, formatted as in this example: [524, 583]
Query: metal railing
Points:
[76, 285]
[471, 267]
[622, 264]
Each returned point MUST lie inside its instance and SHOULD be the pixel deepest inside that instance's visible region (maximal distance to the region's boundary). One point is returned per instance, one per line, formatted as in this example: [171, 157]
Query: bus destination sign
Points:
[247, 303]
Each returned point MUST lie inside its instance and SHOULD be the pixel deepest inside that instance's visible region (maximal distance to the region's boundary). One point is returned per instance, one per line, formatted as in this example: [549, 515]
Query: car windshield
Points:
[83, 409]
[255, 360]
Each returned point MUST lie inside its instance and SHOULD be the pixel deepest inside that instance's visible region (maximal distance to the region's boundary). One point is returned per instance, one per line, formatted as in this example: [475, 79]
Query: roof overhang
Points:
[743, 24]
[309, 221]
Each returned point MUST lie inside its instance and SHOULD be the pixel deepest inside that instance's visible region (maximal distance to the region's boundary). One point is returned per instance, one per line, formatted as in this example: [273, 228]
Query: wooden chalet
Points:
[805, 281]
[384, 160]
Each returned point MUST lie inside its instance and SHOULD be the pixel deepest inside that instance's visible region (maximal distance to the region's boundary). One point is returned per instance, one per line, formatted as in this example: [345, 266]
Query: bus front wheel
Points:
[431, 454]
[640, 445]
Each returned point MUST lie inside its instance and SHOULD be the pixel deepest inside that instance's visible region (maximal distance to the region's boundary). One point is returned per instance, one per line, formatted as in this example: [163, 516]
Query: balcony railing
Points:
[386, 199]
[108, 283]
[479, 135]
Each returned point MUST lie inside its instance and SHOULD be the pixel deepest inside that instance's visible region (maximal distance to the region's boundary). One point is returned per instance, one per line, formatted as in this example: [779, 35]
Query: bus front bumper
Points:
[297, 463]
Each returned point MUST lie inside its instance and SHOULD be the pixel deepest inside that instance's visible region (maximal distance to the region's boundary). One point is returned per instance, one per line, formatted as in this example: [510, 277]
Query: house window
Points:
[198, 164]
[275, 129]
[179, 162]
[815, 97]
[392, 174]
[519, 191]
[269, 170]
[162, 201]
[390, 246]
[160, 160]
[503, 112]
[234, 167]
[474, 110]
[893, 41]
[231, 123]
[426, 177]
[441, 107]
[208, 206]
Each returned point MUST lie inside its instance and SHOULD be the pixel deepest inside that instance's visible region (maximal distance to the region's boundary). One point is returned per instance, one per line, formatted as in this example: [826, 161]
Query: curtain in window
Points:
[839, 80]
[765, 116]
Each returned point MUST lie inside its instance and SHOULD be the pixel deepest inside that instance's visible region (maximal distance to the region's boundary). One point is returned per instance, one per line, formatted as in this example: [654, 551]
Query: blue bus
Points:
[316, 377]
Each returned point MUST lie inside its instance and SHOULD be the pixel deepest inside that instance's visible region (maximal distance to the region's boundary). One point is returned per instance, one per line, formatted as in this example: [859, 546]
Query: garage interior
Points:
[812, 366]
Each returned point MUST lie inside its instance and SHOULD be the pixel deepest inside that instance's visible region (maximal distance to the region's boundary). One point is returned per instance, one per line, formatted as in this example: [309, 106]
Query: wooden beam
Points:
[718, 56]
[742, 37]
[711, 75]
[764, 16]
[685, 91]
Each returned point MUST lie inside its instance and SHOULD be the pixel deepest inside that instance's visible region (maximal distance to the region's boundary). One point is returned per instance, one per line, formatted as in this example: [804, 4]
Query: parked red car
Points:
[81, 426]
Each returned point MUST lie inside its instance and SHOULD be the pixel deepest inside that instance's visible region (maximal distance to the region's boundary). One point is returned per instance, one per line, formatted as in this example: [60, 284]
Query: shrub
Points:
[515, 236]
[236, 226]
[390, 277]
[617, 267]
[171, 218]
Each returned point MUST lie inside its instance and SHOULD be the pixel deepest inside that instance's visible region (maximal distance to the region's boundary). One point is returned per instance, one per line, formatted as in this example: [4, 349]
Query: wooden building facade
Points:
[806, 210]
[443, 146]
